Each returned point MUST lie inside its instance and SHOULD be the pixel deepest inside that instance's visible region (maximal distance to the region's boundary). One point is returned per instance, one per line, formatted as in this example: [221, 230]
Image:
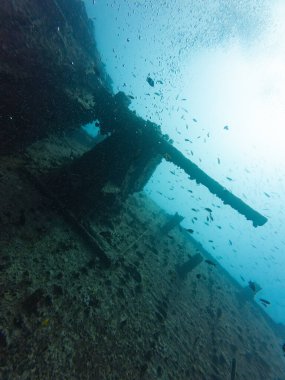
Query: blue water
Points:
[218, 69]
[91, 129]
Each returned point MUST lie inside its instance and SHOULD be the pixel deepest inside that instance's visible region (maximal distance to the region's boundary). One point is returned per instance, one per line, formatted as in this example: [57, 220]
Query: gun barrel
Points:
[214, 187]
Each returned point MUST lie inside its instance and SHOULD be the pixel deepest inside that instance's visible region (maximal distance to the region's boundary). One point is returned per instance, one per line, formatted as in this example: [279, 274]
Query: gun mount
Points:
[128, 166]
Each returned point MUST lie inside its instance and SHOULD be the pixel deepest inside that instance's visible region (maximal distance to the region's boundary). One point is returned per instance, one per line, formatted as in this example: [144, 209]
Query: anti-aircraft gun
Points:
[124, 162]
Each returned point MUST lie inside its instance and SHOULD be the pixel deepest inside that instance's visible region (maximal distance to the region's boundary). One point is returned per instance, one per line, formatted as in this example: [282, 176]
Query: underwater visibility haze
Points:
[211, 74]
[142, 189]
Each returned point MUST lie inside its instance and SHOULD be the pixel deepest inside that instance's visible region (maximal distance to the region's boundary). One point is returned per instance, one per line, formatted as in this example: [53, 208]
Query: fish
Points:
[208, 209]
[195, 120]
[226, 127]
[219, 161]
[268, 196]
[252, 286]
[150, 81]
[264, 301]
[190, 230]
[210, 262]
[229, 178]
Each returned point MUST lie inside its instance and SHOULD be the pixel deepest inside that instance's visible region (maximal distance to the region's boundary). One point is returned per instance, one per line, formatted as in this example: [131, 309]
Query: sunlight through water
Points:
[218, 70]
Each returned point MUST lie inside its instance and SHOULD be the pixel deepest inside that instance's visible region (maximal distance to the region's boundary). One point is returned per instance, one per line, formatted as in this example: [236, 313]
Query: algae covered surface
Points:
[64, 314]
